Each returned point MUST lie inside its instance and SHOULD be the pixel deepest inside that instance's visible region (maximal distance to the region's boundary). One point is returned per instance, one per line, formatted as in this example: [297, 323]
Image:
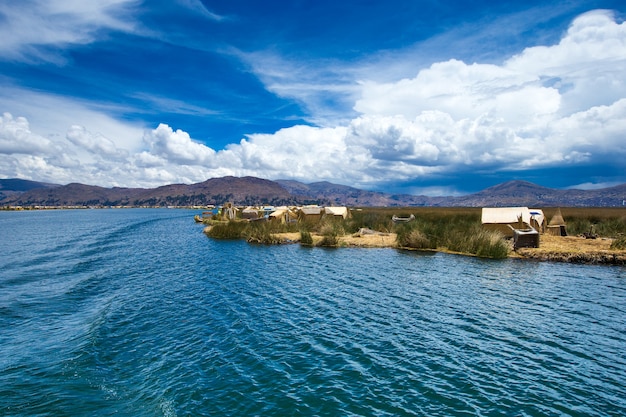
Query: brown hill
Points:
[523, 193]
[342, 195]
[254, 191]
[13, 186]
[246, 190]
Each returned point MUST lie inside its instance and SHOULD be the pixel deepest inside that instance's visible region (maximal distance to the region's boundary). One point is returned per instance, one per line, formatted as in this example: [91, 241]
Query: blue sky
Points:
[421, 97]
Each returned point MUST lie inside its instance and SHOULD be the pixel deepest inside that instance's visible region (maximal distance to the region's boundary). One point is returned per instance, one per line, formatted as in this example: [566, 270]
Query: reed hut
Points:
[336, 212]
[310, 214]
[556, 227]
[506, 219]
[251, 213]
[283, 215]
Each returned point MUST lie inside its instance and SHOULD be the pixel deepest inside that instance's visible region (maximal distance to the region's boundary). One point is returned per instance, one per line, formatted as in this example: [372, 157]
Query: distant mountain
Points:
[523, 193]
[343, 195]
[255, 191]
[245, 191]
[12, 186]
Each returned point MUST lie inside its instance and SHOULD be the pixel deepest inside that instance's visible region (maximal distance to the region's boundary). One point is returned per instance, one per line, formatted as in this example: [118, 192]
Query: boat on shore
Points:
[397, 219]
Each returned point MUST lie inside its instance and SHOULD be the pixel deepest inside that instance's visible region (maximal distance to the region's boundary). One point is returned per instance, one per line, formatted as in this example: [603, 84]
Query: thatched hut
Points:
[506, 219]
[251, 213]
[283, 215]
[556, 226]
[342, 212]
[310, 213]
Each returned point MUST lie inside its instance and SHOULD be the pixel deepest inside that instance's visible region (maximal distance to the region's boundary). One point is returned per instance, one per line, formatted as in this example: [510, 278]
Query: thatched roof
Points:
[337, 211]
[557, 219]
[311, 210]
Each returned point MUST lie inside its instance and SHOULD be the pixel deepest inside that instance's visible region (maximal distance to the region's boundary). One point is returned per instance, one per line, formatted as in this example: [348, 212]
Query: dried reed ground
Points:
[574, 249]
[382, 240]
[554, 248]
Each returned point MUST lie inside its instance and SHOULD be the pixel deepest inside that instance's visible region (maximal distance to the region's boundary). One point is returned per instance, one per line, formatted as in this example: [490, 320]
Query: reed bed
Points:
[254, 232]
[455, 229]
[619, 243]
[606, 221]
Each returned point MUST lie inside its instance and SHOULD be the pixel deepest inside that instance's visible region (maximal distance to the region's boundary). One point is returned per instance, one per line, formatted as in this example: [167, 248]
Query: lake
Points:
[135, 312]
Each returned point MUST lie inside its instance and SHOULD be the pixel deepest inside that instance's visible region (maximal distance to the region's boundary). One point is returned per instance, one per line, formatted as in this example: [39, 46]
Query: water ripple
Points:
[137, 313]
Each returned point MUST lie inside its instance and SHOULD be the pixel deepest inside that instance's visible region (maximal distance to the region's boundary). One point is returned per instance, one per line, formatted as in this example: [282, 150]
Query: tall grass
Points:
[330, 228]
[455, 229]
[608, 227]
[619, 243]
[455, 232]
[305, 238]
[256, 232]
[260, 232]
[226, 230]
[371, 218]
[603, 221]
[412, 237]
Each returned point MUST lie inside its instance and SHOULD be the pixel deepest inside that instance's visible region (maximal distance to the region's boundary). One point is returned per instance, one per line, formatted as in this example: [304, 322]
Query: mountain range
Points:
[257, 191]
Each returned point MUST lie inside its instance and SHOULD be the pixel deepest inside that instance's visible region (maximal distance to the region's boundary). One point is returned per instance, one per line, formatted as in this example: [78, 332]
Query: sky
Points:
[404, 96]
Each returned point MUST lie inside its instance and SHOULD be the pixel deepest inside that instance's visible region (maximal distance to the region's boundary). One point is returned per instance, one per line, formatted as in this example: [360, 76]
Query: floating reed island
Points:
[580, 235]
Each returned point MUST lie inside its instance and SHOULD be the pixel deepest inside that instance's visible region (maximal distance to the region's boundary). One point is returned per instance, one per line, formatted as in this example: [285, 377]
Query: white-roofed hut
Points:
[337, 212]
[506, 219]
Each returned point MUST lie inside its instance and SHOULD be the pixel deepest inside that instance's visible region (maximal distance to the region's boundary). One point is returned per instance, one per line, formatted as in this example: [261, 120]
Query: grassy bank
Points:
[605, 222]
[434, 228]
[456, 230]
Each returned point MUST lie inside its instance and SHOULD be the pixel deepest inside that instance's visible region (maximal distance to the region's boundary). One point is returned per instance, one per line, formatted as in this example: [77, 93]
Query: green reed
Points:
[454, 231]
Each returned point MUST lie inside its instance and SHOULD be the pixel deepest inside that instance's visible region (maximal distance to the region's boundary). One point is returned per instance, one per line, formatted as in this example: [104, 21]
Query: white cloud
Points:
[593, 186]
[199, 7]
[464, 92]
[30, 26]
[548, 106]
[325, 90]
[177, 147]
[16, 137]
[55, 114]
[96, 144]
[587, 66]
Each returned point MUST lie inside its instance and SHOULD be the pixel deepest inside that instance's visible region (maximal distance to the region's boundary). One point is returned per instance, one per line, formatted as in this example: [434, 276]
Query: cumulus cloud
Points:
[56, 114]
[548, 106]
[26, 154]
[96, 144]
[16, 137]
[177, 146]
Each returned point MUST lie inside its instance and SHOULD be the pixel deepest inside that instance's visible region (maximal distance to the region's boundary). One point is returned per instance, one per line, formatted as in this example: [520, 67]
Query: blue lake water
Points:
[137, 313]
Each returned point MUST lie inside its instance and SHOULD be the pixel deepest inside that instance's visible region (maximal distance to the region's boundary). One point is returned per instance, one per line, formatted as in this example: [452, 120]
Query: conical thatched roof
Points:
[557, 219]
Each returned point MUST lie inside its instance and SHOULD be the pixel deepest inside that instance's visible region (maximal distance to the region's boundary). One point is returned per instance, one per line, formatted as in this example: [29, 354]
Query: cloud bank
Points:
[561, 105]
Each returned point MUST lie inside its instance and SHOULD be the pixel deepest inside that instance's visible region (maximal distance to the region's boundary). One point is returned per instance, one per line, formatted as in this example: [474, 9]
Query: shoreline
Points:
[569, 249]
[575, 249]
